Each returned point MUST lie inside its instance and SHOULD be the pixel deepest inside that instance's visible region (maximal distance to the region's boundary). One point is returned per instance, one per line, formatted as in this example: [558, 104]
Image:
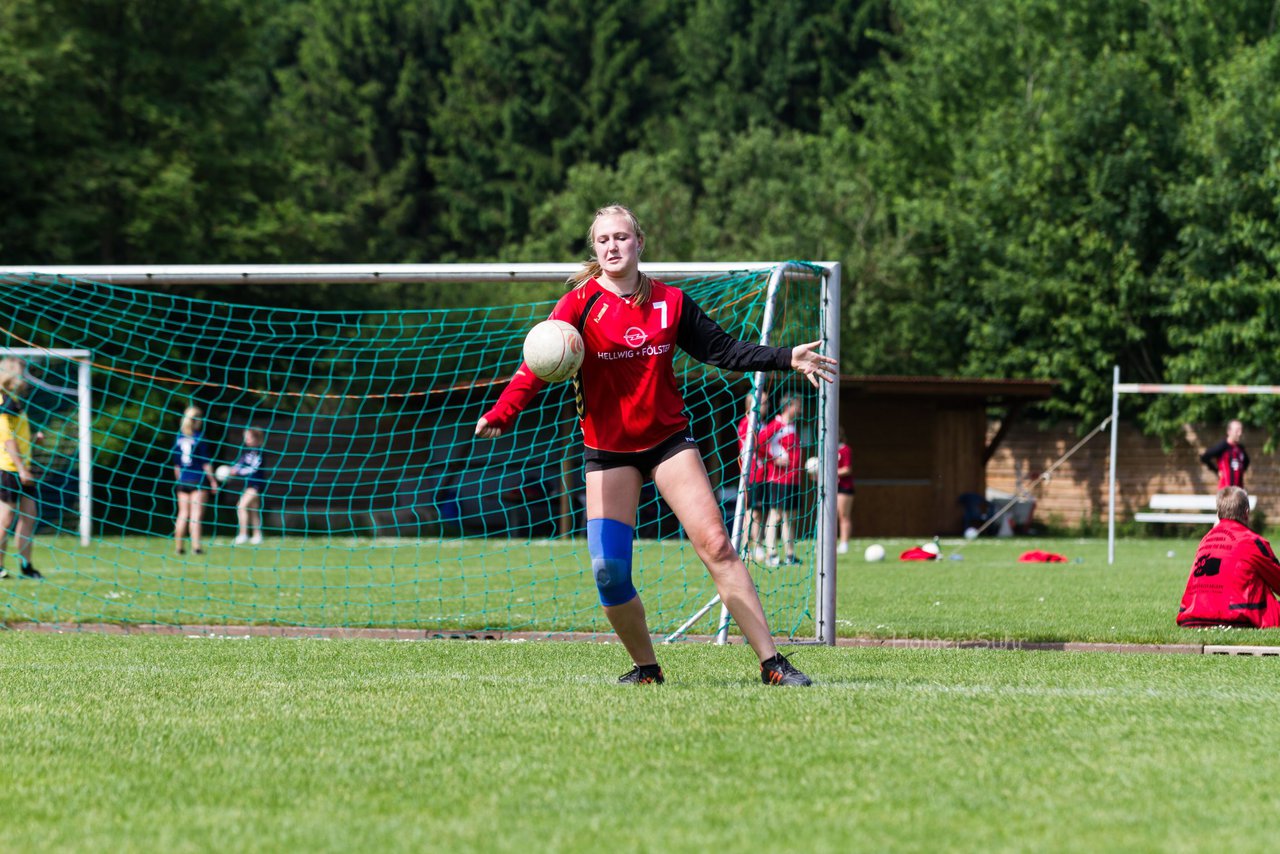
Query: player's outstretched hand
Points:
[484, 431]
[812, 364]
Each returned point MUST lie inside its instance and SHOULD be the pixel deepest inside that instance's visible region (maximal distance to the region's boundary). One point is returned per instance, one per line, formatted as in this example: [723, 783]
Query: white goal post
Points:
[827, 273]
[1118, 388]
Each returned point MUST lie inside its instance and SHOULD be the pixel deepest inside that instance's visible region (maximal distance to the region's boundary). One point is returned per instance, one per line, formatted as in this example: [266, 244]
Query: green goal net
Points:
[378, 507]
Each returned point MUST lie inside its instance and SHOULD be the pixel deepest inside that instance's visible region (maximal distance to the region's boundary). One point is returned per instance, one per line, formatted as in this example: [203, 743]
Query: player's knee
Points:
[613, 581]
[609, 542]
[719, 548]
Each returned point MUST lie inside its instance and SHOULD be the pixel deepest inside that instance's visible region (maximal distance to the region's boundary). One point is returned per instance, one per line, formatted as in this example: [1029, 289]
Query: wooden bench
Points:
[1185, 503]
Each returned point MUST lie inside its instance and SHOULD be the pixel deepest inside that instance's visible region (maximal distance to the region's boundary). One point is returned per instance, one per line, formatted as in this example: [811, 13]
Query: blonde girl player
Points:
[249, 508]
[191, 472]
[17, 478]
[634, 427]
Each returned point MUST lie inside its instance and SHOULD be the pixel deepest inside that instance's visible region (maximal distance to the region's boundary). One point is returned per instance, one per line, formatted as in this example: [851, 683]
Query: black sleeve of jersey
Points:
[703, 339]
[1244, 459]
[1210, 457]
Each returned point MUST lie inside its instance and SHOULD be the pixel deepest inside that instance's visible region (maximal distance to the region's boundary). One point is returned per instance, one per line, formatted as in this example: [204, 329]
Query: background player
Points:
[779, 445]
[17, 476]
[1235, 577]
[754, 500]
[844, 492]
[249, 508]
[1228, 459]
[634, 427]
[191, 471]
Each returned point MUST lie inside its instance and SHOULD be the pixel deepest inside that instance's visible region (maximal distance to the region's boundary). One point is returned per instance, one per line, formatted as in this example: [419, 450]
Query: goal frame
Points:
[826, 272]
[1118, 388]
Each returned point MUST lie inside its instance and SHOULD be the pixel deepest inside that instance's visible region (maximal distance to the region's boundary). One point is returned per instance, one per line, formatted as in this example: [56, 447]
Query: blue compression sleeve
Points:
[609, 542]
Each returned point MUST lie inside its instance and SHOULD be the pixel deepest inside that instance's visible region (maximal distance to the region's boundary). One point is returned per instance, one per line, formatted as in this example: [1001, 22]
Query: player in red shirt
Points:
[755, 498]
[844, 492]
[1235, 576]
[779, 449]
[1228, 459]
[634, 427]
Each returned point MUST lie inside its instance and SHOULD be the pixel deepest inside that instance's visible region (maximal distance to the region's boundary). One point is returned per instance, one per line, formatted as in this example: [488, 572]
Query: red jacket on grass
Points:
[1233, 581]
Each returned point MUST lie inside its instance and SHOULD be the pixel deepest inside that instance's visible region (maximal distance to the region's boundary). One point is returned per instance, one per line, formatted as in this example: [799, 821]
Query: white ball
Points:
[222, 472]
[874, 552]
[970, 533]
[931, 548]
[811, 466]
[553, 350]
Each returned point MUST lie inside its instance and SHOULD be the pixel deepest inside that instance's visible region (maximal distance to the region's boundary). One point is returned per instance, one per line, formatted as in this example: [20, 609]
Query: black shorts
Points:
[757, 495]
[187, 488]
[644, 461]
[848, 491]
[12, 489]
[785, 496]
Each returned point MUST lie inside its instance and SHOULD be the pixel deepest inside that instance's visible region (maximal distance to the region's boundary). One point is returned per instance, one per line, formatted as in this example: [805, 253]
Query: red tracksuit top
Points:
[1233, 580]
[629, 400]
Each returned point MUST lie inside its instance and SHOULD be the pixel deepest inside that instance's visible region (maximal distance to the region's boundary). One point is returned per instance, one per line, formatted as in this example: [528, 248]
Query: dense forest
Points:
[1022, 188]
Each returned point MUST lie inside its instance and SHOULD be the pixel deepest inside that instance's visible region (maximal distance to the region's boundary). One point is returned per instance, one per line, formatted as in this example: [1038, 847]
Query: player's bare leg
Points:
[180, 526]
[615, 494]
[24, 534]
[684, 485]
[771, 533]
[7, 512]
[197, 514]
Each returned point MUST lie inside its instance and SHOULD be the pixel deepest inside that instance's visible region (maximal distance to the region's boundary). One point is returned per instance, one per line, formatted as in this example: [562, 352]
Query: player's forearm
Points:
[514, 398]
[11, 447]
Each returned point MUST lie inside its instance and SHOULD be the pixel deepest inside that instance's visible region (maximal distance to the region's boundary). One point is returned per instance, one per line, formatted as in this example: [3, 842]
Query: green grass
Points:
[173, 744]
[471, 584]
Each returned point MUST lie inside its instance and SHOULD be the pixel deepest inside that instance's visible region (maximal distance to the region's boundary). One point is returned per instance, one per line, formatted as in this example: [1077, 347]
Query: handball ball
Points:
[874, 552]
[553, 350]
[222, 472]
[970, 533]
[811, 466]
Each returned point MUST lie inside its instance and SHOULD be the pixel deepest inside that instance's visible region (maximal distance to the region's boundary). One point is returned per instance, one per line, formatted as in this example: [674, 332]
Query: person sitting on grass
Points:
[1235, 576]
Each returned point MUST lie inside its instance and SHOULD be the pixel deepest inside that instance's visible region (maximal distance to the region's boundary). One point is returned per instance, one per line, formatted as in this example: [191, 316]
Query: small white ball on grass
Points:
[971, 533]
[874, 553]
[931, 548]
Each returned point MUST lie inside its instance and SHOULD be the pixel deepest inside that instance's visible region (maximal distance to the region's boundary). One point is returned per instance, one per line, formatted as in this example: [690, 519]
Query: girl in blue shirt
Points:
[191, 471]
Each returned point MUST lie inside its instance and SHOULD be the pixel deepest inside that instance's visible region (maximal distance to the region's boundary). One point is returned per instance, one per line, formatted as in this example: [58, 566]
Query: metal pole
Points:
[1111, 501]
[85, 446]
[828, 523]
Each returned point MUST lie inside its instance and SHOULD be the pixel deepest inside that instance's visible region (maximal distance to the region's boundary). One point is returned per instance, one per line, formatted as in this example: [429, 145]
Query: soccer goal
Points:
[379, 508]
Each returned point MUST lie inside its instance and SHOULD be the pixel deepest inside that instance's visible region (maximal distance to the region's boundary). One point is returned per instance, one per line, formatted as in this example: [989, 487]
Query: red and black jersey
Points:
[844, 460]
[757, 467]
[1229, 461]
[630, 401]
[780, 441]
[1233, 580]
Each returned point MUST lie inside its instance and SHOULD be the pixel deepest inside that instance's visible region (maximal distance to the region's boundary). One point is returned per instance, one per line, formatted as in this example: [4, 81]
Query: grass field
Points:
[543, 586]
[175, 744]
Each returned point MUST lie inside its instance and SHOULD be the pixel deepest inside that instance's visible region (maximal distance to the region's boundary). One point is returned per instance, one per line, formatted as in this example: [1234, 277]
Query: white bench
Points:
[1185, 502]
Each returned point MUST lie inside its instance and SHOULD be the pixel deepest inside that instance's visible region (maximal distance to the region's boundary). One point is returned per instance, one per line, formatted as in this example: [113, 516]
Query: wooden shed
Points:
[920, 442]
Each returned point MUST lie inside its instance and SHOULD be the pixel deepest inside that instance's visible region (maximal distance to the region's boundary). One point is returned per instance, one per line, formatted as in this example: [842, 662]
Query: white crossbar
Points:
[1191, 502]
